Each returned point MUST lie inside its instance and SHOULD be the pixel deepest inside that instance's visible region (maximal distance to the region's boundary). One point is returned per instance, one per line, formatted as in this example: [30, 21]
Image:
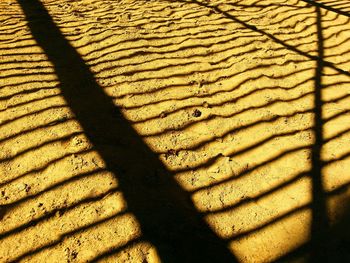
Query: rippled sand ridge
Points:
[174, 131]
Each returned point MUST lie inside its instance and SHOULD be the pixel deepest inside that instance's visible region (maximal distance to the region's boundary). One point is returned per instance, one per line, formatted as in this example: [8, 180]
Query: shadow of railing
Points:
[175, 210]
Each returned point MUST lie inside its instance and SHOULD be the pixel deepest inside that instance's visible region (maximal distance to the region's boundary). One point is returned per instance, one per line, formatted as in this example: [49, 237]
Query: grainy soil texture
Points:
[174, 131]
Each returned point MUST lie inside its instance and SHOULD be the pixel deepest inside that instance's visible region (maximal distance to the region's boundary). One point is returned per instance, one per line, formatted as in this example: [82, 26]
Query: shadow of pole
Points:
[164, 210]
[320, 222]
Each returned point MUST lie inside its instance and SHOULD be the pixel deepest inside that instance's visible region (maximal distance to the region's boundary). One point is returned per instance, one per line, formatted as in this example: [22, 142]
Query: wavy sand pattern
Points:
[174, 131]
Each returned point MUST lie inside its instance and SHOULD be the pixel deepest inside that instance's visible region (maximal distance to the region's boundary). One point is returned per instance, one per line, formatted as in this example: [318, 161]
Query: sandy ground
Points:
[174, 131]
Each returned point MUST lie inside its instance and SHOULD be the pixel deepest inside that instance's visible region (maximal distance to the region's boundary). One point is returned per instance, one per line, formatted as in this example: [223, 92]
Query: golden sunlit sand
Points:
[174, 131]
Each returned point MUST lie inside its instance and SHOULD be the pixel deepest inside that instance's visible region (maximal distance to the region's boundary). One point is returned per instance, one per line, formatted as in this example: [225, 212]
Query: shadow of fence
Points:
[203, 133]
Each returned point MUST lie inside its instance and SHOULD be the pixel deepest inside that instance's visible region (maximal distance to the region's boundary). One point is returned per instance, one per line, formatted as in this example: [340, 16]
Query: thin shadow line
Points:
[164, 210]
[329, 8]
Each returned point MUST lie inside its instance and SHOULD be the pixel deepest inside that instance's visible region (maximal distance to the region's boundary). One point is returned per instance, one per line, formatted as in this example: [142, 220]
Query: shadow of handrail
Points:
[285, 124]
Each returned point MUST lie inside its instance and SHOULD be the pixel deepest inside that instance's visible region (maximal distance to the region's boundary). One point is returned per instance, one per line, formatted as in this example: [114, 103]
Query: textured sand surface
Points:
[174, 131]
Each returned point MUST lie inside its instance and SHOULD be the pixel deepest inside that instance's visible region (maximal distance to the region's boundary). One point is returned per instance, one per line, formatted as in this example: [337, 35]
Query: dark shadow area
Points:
[336, 247]
[165, 212]
[339, 237]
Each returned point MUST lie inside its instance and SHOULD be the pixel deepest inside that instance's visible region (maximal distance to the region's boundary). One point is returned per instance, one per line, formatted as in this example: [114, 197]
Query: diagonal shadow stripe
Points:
[326, 7]
[164, 210]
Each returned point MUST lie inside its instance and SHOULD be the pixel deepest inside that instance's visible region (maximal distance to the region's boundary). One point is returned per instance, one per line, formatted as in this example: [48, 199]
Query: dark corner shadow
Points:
[340, 234]
[164, 210]
[338, 240]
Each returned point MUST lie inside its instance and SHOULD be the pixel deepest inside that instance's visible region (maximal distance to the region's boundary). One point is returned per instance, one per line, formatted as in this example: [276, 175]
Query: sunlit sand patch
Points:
[266, 245]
